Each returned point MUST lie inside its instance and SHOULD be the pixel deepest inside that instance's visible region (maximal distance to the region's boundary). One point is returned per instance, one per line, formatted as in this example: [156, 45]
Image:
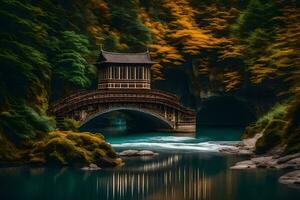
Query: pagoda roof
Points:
[126, 58]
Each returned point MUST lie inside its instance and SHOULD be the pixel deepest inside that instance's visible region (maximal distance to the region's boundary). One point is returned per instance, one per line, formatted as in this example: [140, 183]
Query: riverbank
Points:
[274, 159]
[61, 148]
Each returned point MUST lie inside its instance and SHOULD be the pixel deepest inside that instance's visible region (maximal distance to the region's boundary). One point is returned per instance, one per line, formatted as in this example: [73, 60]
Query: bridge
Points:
[87, 105]
[124, 85]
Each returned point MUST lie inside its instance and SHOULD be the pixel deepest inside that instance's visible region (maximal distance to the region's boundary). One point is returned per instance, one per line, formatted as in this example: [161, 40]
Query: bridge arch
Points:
[166, 123]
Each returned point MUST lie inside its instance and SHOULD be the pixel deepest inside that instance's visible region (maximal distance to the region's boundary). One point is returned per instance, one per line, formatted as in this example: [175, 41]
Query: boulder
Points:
[291, 179]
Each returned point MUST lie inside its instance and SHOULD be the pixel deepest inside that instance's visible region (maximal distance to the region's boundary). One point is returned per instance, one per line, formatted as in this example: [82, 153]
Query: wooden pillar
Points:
[110, 72]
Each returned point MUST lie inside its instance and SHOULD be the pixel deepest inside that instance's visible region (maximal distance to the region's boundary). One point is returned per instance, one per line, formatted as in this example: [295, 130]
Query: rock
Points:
[247, 164]
[295, 161]
[235, 150]
[129, 153]
[250, 142]
[91, 167]
[245, 152]
[286, 166]
[146, 153]
[291, 164]
[264, 162]
[287, 158]
[292, 179]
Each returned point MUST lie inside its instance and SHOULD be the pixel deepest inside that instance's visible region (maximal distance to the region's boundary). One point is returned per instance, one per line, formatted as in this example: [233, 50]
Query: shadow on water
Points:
[220, 133]
[124, 122]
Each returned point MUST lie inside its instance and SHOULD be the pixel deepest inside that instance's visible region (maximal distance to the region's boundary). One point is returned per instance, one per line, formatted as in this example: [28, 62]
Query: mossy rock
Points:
[251, 131]
[272, 136]
[72, 148]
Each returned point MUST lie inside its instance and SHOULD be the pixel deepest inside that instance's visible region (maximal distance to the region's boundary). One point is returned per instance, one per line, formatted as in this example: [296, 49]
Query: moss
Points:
[70, 124]
[70, 148]
[272, 136]
[61, 148]
[277, 112]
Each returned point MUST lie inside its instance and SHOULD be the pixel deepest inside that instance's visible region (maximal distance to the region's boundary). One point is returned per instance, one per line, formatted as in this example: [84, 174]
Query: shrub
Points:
[272, 136]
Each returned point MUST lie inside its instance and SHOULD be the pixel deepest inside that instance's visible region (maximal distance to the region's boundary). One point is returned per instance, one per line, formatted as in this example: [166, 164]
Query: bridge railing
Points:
[150, 96]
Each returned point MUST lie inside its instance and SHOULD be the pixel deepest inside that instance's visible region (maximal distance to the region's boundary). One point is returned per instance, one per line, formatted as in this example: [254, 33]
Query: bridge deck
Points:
[93, 96]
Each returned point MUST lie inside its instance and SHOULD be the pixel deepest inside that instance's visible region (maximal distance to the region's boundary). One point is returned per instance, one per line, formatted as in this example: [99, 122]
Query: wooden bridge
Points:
[124, 83]
[87, 105]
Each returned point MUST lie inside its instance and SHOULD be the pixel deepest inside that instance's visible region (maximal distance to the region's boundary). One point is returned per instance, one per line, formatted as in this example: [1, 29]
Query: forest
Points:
[247, 49]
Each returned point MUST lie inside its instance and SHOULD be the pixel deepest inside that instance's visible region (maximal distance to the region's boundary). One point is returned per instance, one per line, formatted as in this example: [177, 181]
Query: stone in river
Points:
[137, 153]
[146, 153]
[129, 153]
[91, 167]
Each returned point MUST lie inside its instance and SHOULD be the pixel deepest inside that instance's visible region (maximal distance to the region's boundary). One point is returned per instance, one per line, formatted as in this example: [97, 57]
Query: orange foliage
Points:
[161, 51]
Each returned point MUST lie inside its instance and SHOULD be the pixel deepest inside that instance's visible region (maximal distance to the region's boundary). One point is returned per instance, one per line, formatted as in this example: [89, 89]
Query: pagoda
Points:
[124, 70]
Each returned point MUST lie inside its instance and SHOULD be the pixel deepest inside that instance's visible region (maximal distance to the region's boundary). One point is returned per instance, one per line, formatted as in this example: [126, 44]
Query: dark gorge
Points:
[205, 96]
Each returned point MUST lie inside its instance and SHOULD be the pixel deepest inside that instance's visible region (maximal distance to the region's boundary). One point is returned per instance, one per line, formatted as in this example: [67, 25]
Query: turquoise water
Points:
[187, 167]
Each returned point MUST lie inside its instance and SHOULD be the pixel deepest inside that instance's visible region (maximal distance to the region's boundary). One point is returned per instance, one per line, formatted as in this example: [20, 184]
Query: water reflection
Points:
[168, 177]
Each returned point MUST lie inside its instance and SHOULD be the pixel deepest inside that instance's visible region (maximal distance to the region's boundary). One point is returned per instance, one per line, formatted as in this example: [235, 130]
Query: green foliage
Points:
[257, 15]
[23, 63]
[71, 67]
[277, 112]
[22, 122]
[125, 19]
[70, 124]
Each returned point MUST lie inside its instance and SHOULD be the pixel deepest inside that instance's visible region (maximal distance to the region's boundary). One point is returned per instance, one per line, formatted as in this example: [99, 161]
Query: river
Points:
[187, 167]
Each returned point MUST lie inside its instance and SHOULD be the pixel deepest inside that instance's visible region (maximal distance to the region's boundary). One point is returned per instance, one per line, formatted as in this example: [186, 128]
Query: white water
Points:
[162, 143]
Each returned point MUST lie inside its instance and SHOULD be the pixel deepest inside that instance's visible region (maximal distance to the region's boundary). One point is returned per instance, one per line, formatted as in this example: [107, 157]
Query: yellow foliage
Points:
[232, 80]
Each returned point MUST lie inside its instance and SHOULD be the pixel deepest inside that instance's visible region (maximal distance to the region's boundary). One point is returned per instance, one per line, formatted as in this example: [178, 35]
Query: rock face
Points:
[291, 179]
[129, 153]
